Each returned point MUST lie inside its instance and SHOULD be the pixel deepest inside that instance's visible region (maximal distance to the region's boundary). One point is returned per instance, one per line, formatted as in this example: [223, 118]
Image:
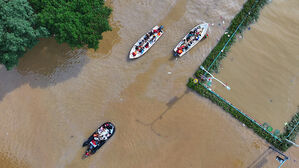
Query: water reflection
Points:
[48, 63]
[110, 38]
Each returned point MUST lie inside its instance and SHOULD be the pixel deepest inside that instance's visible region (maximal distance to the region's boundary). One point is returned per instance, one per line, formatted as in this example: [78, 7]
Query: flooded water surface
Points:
[262, 68]
[57, 97]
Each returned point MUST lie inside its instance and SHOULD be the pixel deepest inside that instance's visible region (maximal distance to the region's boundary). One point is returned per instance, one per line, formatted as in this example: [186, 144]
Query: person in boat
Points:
[179, 51]
[105, 133]
[160, 28]
[188, 38]
[190, 34]
[105, 137]
[186, 47]
[96, 136]
[181, 47]
[154, 37]
[147, 36]
[151, 33]
[103, 130]
[198, 33]
[147, 45]
[134, 53]
[93, 144]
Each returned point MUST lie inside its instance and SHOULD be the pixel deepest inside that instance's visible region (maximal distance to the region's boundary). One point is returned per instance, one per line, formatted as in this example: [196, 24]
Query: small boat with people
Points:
[191, 39]
[98, 138]
[146, 42]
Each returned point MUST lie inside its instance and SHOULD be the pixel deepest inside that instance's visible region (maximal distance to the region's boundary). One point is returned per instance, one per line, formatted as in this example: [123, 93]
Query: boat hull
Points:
[91, 150]
[204, 26]
[138, 55]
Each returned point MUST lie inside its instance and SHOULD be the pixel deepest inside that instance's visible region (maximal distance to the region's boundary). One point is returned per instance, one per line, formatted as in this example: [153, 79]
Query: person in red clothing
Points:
[179, 51]
[181, 47]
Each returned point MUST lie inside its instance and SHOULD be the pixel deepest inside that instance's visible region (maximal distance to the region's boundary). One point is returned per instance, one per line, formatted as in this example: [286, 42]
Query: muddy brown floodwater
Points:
[263, 67]
[57, 97]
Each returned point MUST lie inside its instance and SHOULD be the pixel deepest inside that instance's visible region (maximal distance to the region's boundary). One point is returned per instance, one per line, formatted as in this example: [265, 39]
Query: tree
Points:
[76, 22]
[18, 30]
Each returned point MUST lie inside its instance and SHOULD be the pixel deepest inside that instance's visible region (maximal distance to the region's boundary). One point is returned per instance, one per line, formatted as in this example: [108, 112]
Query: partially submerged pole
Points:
[227, 87]
[291, 142]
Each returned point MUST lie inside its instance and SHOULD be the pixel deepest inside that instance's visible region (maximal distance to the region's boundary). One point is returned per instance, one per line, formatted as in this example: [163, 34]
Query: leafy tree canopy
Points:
[18, 31]
[76, 22]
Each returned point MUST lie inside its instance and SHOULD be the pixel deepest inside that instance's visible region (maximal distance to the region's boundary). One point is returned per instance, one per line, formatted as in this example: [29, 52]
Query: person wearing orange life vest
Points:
[179, 51]
[96, 136]
[134, 53]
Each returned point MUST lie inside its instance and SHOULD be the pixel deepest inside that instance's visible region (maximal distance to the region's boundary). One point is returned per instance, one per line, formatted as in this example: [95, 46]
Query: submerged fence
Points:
[246, 16]
[243, 114]
[233, 35]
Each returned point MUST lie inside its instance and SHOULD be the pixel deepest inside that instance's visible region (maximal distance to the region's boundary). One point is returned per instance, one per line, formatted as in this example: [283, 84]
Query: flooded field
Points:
[57, 97]
[262, 67]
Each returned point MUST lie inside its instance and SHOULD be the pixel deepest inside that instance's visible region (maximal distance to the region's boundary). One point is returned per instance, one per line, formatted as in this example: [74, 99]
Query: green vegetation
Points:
[246, 16]
[18, 31]
[291, 130]
[251, 6]
[75, 22]
[236, 114]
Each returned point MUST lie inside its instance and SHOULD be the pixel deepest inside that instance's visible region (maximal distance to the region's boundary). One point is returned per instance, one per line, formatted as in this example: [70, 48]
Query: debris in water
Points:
[228, 35]
[240, 36]
[243, 125]
[225, 32]
[223, 22]
[212, 24]
[249, 28]
[169, 73]
[219, 24]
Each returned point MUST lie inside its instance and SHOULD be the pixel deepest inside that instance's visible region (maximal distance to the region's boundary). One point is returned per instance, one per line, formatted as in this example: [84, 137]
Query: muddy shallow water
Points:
[49, 106]
[262, 67]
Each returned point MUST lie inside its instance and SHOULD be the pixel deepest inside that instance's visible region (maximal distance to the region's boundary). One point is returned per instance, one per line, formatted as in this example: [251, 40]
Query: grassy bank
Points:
[249, 14]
